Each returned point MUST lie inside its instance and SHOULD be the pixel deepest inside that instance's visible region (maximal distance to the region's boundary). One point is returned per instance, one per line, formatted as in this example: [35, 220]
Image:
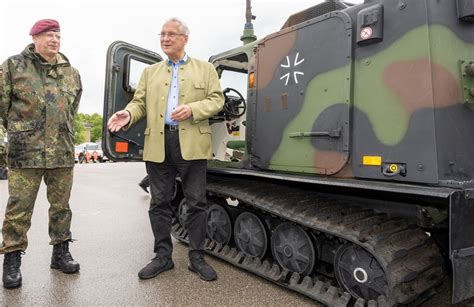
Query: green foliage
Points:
[94, 120]
[79, 136]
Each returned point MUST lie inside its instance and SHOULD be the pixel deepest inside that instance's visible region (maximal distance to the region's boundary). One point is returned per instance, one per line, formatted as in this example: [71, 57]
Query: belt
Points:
[171, 127]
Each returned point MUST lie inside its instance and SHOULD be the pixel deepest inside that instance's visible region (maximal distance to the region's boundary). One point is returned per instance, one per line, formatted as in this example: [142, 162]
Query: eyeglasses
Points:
[170, 34]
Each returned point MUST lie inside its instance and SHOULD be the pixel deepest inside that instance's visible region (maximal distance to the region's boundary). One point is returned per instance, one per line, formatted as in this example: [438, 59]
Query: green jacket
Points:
[38, 104]
[198, 87]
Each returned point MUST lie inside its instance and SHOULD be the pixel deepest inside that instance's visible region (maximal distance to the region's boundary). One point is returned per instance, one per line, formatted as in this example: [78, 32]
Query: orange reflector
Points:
[121, 147]
[251, 80]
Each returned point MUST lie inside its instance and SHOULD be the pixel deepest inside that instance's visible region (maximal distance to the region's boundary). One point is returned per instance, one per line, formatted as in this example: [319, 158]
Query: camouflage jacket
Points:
[38, 104]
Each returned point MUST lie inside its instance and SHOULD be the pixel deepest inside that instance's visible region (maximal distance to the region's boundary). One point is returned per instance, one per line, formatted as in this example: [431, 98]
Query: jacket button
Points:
[161, 115]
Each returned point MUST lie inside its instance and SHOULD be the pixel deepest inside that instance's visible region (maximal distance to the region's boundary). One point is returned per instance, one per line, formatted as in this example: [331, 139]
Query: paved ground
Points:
[111, 225]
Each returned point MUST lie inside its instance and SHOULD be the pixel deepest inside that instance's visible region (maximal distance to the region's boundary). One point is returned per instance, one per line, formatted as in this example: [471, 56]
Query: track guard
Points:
[461, 243]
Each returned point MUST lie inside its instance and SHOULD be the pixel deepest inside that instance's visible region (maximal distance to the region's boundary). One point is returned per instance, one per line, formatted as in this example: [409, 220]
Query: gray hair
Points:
[183, 28]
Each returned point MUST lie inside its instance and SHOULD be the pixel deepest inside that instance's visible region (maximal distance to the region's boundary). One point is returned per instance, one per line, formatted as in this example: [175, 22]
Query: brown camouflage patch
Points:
[329, 162]
[422, 84]
[270, 54]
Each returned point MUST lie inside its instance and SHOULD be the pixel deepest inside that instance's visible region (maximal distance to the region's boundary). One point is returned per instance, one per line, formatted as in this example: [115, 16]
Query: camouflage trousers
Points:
[23, 185]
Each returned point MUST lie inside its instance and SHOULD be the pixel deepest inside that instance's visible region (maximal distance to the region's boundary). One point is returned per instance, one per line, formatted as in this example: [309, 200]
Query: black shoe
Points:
[62, 259]
[198, 265]
[156, 266]
[143, 186]
[11, 270]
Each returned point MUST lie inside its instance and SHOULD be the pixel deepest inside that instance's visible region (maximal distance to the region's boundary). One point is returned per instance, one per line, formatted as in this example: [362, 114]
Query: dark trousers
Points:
[162, 177]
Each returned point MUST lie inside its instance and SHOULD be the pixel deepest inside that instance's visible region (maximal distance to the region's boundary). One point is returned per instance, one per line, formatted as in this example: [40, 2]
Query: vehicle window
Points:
[235, 80]
[135, 72]
[92, 147]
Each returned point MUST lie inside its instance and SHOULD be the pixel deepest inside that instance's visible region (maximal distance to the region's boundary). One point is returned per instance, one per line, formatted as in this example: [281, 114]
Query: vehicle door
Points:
[125, 63]
[303, 99]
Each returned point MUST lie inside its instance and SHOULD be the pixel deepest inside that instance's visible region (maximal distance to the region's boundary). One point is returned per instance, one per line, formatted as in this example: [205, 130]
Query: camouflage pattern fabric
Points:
[23, 185]
[38, 104]
[3, 161]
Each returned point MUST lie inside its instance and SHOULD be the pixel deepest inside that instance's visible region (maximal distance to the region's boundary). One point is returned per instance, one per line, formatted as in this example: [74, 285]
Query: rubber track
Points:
[410, 258]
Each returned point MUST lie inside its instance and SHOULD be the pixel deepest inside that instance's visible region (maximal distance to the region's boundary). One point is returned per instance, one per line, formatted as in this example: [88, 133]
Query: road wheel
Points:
[293, 249]
[219, 227]
[359, 273]
[250, 235]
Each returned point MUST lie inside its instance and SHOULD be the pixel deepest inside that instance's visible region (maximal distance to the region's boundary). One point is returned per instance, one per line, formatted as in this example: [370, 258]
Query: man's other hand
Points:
[181, 113]
[118, 120]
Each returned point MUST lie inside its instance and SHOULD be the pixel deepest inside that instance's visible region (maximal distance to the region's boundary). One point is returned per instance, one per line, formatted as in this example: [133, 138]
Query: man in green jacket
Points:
[177, 96]
[39, 99]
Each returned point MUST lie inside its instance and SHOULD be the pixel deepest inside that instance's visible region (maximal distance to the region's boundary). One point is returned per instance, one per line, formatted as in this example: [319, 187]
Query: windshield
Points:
[92, 146]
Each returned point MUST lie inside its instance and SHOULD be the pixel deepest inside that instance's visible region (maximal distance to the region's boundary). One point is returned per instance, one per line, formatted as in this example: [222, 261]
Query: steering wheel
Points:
[234, 106]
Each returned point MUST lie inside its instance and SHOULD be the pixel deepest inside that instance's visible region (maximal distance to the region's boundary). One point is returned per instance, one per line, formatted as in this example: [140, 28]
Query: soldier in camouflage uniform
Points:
[40, 97]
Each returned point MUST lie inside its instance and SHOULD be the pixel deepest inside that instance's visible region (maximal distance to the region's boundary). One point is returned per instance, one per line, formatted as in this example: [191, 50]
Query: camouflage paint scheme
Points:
[38, 105]
[400, 98]
[23, 185]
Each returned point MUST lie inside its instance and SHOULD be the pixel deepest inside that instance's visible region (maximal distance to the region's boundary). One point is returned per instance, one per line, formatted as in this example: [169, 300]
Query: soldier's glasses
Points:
[170, 34]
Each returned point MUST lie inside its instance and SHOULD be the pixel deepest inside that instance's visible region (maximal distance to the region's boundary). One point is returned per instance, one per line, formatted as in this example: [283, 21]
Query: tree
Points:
[95, 120]
[79, 135]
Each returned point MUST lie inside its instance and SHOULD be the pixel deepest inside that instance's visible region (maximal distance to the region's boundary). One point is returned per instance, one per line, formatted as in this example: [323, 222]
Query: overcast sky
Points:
[88, 27]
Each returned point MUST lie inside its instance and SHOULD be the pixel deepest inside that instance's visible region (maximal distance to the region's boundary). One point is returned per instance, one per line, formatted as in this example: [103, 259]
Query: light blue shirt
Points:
[173, 94]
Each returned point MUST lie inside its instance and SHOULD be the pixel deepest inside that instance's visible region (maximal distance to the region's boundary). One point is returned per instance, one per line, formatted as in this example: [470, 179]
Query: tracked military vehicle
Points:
[344, 157]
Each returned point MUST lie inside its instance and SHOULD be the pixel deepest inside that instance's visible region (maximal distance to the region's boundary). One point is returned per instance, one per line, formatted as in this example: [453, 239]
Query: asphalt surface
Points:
[114, 241]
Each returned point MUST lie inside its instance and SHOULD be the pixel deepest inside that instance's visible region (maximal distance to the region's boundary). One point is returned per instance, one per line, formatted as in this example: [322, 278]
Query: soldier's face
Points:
[172, 40]
[47, 44]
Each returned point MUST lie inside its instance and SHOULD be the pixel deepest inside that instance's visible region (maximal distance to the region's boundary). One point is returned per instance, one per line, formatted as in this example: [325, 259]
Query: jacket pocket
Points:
[199, 85]
[21, 126]
[205, 129]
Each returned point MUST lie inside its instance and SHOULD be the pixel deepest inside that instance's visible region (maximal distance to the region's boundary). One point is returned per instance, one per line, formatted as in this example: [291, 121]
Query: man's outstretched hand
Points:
[118, 120]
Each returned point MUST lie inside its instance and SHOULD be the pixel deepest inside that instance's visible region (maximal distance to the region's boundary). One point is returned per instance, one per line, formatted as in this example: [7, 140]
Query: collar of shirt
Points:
[180, 62]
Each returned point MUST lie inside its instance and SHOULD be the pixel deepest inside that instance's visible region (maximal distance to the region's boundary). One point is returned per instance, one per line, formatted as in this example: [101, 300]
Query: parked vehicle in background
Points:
[78, 153]
[89, 152]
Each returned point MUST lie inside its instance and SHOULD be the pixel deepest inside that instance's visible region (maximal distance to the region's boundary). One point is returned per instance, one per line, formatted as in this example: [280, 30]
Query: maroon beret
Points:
[44, 25]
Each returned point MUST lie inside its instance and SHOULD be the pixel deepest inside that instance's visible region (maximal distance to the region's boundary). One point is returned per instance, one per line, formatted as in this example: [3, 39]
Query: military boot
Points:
[11, 270]
[62, 259]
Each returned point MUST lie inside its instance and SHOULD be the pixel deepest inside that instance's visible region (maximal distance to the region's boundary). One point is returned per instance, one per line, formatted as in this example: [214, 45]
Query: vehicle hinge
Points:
[464, 252]
[116, 67]
[469, 194]
[467, 80]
